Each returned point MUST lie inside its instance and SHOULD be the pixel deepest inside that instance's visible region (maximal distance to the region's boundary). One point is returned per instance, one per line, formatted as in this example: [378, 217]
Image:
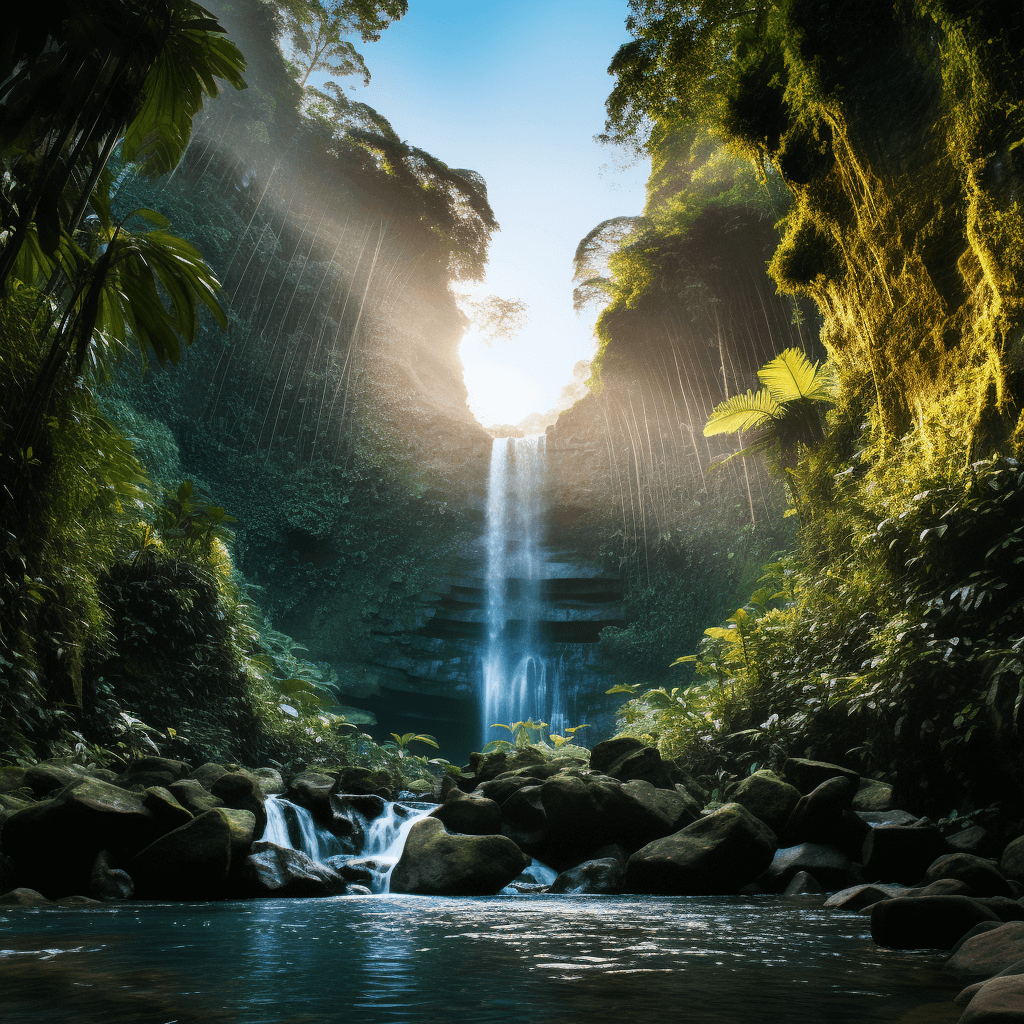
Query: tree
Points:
[99, 73]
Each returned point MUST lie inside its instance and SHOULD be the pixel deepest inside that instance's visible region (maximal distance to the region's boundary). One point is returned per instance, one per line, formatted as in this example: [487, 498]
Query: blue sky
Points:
[515, 89]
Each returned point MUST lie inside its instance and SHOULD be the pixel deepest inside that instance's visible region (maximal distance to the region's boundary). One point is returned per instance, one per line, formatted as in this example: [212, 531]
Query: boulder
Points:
[575, 826]
[12, 779]
[873, 795]
[818, 814]
[808, 775]
[194, 796]
[943, 887]
[830, 867]
[435, 863]
[636, 813]
[76, 901]
[366, 781]
[500, 789]
[899, 853]
[271, 870]
[483, 767]
[644, 764]
[607, 752]
[190, 863]
[999, 1001]
[351, 814]
[981, 875]
[269, 781]
[803, 884]
[524, 810]
[895, 817]
[23, 897]
[53, 844]
[718, 854]
[974, 840]
[936, 922]
[1012, 862]
[46, 779]
[168, 813]
[469, 814]
[604, 876]
[860, 897]
[312, 790]
[207, 774]
[242, 791]
[988, 954]
[166, 765]
[767, 798]
[243, 831]
[1007, 909]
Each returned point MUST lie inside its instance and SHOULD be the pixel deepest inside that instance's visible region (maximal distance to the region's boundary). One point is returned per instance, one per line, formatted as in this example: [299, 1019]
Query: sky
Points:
[515, 90]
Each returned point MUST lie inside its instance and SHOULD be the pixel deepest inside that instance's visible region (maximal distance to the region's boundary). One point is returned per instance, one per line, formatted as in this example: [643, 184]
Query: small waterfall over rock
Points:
[374, 850]
[519, 682]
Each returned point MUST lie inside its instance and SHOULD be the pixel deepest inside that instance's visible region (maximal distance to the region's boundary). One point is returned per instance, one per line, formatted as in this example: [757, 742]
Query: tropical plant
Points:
[786, 412]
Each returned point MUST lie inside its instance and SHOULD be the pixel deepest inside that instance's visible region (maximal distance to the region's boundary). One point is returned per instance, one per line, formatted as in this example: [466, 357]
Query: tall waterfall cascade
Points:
[519, 681]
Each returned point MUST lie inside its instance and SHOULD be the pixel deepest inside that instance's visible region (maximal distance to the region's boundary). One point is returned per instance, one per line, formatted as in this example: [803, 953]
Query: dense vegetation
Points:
[890, 637]
[142, 501]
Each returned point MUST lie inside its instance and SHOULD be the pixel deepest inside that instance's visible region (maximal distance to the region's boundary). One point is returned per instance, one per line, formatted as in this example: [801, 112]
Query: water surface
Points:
[542, 959]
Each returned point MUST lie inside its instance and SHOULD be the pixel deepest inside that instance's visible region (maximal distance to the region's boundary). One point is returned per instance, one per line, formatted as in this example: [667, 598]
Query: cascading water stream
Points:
[383, 838]
[519, 682]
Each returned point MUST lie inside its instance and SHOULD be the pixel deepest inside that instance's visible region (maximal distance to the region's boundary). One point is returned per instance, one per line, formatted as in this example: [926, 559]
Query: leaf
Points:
[791, 376]
[743, 412]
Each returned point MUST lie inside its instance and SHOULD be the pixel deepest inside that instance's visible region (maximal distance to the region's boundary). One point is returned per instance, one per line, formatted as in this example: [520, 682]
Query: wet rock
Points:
[767, 798]
[606, 753]
[484, 767]
[23, 897]
[873, 795]
[818, 815]
[190, 863]
[895, 817]
[808, 775]
[575, 825]
[76, 901]
[243, 831]
[935, 922]
[1005, 908]
[194, 796]
[591, 877]
[981, 875]
[358, 890]
[53, 844]
[524, 811]
[168, 813]
[366, 781]
[803, 884]
[1012, 862]
[271, 870]
[351, 814]
[207, 774]
[999, 1001]
[152, 771]
[897, 853]
[241, 791]
[943, 887]
[829, 866]
[109, 883]
[861, 897]
[978, 929]
[469, 814]
[718, 854]
[312, 790]
[636, 813]
[974, 840]
[435, 863]
[985, 955]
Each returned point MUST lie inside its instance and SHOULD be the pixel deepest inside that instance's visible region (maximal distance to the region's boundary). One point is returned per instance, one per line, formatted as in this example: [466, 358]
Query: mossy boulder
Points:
[807, 775]
[717, 855]
[194, 796]
[469, 814]
[435, 863]
[607, 752]
[167, 811]
[931, 922]
[768, 798]
[1012, 861]
[242, 791]
[980, 874]
[190, 863]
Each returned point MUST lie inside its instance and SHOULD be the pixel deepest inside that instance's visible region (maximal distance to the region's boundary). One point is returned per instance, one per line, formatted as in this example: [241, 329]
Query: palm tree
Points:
[787, 412]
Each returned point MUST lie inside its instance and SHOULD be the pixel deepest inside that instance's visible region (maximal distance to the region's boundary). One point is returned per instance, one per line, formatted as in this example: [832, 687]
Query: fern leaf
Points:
[742, 412]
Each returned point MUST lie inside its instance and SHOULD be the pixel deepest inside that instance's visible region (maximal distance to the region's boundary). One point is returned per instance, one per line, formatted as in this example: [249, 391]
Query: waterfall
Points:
[519, 682]
[383, 838]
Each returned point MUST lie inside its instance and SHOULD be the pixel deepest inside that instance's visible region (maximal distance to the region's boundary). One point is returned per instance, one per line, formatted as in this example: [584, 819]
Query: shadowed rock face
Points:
[718, 854]
[435, 863]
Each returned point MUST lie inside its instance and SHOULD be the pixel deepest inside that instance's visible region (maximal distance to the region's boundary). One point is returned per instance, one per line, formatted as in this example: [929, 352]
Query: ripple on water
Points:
[416, 960]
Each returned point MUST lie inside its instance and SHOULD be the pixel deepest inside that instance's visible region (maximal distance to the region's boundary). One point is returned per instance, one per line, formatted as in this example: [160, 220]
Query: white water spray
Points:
[519, 682]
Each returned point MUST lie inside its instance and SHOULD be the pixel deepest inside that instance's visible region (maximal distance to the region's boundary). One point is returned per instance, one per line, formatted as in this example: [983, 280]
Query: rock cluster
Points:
[164, 831]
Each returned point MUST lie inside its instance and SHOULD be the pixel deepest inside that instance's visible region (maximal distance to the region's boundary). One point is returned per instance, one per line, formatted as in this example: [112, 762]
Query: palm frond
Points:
[742, 412]
[791, 376]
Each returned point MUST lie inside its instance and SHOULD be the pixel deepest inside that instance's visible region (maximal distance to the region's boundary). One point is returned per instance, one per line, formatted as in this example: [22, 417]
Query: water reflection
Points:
[552, 960]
